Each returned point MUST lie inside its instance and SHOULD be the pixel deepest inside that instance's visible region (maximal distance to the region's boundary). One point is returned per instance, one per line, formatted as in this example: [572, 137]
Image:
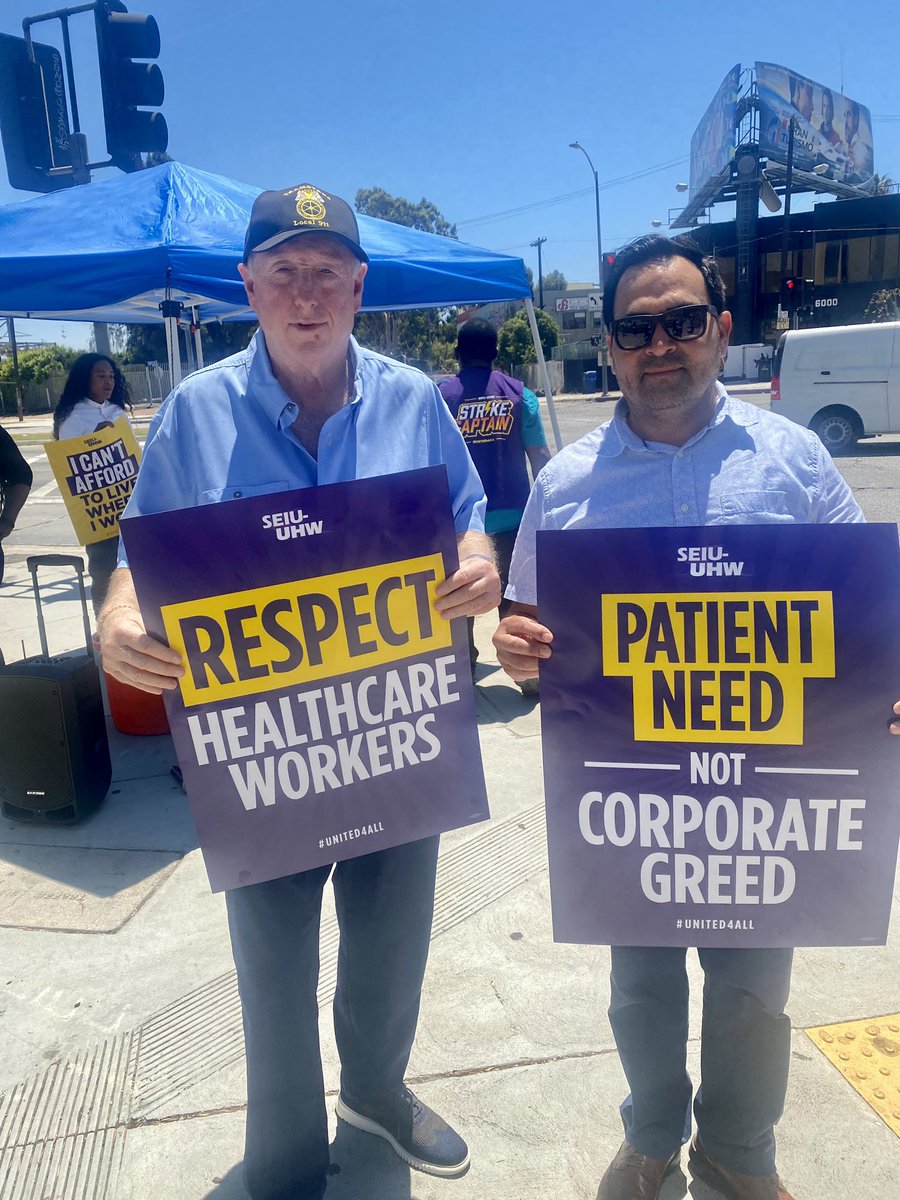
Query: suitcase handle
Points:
[54, 560]
[58, 560]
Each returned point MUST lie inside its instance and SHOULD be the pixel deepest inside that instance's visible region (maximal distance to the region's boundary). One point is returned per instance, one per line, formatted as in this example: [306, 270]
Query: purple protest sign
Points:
[717, 766]
[326, 710]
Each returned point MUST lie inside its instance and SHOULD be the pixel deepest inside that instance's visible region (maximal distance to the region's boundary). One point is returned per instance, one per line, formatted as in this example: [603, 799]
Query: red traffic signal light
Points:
[793, 292]
[130, 88]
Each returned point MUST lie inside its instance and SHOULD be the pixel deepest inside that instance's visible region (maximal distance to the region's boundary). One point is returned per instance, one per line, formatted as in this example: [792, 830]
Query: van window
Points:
[863, 348]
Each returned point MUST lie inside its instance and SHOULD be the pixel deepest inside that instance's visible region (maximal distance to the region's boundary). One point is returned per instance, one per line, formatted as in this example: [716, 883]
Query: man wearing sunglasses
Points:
[680, 451]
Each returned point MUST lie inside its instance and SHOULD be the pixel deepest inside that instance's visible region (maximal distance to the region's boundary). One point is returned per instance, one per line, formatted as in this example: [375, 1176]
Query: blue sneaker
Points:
[413, 1131]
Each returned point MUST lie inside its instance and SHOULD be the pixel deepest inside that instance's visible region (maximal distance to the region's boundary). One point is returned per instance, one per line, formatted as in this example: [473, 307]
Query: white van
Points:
[842, 382]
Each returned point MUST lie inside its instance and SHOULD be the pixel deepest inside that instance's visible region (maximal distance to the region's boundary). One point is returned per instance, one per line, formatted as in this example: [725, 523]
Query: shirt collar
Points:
[620, 436]
[268, 392]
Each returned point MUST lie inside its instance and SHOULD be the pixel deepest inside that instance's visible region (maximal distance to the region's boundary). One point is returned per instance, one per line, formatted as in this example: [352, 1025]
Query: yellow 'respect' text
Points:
[719, 666]
[292, 633]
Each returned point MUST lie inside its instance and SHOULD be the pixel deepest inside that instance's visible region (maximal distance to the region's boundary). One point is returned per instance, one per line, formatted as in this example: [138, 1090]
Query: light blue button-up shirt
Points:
[225, 432]
[746, 467]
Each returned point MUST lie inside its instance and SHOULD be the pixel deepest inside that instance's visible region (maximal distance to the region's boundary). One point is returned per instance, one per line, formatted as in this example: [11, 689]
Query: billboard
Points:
[712, 146]
[828, 128]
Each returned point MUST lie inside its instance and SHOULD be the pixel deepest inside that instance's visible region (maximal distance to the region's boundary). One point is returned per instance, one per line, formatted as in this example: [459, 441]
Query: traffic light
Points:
[609, 261]
[792, 293]
[130, 88]
[34, 119]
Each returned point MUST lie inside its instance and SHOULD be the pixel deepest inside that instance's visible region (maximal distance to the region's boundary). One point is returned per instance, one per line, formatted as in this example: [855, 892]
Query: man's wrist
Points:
[107, 612]
[487, 557]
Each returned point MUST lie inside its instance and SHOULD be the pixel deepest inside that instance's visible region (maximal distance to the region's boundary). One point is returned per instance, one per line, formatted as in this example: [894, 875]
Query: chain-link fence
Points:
[146, 385]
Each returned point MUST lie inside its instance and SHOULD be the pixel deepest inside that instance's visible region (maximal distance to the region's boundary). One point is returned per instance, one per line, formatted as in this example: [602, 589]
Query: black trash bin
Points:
[589, 382]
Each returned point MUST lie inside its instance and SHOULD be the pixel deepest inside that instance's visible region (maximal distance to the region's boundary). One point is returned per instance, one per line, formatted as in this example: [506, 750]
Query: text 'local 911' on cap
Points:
[277, 216]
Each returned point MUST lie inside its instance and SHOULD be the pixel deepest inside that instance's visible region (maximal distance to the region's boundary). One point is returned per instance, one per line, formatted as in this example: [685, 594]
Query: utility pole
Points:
[540, 241]
[786, 219]
[11, 329]
[603, 351]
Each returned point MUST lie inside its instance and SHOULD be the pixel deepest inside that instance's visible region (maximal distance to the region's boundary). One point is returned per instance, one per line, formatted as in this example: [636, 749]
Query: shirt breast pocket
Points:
[241, 491]
[750, 508]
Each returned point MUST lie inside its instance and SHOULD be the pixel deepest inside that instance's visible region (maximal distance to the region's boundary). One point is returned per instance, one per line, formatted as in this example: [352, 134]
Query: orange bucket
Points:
[133, 711]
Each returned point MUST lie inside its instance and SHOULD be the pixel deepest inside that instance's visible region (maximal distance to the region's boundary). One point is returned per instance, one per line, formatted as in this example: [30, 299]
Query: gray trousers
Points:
[744, 1053]
[384, 905]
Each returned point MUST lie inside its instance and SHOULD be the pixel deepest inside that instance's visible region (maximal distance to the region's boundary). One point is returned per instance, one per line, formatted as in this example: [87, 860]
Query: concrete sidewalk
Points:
[121, 1064]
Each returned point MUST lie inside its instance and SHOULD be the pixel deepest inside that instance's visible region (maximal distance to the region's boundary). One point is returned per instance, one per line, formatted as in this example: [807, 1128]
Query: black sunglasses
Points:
[683, 324]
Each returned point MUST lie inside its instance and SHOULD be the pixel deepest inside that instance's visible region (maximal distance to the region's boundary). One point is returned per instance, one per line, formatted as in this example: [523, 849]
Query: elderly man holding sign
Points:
[306, 406]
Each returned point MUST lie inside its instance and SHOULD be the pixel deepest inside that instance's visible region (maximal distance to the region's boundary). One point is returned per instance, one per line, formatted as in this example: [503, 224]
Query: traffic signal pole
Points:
[786, 217]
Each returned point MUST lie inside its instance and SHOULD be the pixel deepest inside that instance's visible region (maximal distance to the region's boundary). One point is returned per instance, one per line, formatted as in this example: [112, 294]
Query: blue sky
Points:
[473, 105]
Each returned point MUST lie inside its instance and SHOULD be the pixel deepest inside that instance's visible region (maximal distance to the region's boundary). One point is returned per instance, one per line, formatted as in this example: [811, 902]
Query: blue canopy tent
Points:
[114, 250]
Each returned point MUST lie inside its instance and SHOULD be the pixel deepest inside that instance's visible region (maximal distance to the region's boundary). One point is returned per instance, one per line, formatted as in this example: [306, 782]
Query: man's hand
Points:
[473, 589]
[521, 643]
[129, 653]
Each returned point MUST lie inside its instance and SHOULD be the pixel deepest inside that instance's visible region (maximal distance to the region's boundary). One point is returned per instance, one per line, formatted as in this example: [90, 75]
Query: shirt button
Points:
[237, 495]
[685, 508]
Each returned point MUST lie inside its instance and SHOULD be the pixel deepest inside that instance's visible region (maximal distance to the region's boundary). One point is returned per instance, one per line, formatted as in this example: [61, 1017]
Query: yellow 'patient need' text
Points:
[719, 666]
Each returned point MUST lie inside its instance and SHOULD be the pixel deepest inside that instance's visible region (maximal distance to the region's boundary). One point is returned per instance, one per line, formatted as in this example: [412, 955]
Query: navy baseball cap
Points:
[277, 216]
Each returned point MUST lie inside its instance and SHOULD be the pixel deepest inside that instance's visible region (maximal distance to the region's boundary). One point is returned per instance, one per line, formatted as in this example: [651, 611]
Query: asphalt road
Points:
[873, 472]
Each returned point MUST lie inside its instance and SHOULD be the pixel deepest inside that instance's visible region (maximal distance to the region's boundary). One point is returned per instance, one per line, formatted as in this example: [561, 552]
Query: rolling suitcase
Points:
[54, 751]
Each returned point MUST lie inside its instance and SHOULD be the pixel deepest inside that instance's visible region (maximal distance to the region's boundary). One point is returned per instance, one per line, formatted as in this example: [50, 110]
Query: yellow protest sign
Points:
[96, 475]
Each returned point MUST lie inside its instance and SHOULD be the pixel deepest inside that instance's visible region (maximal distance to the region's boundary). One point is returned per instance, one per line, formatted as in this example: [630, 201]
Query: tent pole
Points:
[545, 374]
[198, 348]
[173, 351]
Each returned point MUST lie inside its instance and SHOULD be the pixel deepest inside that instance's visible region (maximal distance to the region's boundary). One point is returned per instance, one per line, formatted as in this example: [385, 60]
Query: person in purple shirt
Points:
[680, 451]
[500, 421]
[305, 405]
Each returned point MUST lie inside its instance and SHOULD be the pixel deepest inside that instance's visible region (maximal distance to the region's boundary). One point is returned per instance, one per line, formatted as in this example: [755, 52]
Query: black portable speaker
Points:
[54, 751]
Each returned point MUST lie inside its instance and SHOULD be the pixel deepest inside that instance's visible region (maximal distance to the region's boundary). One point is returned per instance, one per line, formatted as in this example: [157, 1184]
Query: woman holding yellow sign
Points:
[95, 395]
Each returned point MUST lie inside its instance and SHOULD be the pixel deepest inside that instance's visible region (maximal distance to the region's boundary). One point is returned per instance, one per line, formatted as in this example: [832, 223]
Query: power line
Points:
[563, 199]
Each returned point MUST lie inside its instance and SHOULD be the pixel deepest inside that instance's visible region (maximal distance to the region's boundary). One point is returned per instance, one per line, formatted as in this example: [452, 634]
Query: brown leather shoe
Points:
[634, 1176]
[732, 1184]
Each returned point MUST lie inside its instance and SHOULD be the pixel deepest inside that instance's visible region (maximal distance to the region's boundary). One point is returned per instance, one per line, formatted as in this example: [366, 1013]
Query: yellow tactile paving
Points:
[867, 1054]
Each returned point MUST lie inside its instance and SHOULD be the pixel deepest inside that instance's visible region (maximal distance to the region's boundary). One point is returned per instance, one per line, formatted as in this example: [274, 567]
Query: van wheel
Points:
[838, 429]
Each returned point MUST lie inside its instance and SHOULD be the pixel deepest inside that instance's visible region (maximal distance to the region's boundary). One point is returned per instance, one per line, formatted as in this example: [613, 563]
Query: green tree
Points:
[554, 281]
[147, 343]
[883, 185]
[883, 306]
[376, 202]
[37, 365]
[515, 345]
[425, 337]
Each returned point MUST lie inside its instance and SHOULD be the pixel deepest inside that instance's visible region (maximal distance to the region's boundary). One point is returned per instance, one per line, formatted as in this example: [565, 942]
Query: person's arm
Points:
[475, 587]
[533, 437]
[15, 483]
[538, 456]
[15, 496]
[129, 653]
[522, 642]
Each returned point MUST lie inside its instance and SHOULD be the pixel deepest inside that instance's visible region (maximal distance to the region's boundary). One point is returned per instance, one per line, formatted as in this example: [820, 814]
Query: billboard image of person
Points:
[713, 142]
[828, 128]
